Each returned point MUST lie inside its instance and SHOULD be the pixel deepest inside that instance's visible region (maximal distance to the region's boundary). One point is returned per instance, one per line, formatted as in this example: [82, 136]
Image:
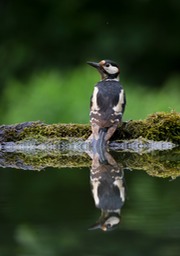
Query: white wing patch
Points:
[95, 185]
[94, 100]
[119, 184]
[118, 108]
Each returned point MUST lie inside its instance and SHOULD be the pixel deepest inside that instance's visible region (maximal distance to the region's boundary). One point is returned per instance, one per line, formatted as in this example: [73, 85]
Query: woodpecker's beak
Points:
[93, 64]
[95, 226]
[98, 226]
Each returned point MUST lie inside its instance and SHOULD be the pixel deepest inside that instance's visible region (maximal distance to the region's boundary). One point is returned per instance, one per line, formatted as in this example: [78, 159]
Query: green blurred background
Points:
[45, 45]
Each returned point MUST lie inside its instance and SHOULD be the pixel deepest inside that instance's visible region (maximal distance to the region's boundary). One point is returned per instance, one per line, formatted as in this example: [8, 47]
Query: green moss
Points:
[40, 131]
[158, 127]
[57, 130]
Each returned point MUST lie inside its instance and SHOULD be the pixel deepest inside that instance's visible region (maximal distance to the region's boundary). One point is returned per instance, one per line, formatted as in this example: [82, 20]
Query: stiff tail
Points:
[101, 145]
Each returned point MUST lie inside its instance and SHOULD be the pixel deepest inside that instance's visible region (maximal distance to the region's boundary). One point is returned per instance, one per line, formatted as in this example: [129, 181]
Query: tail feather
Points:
[101, 145]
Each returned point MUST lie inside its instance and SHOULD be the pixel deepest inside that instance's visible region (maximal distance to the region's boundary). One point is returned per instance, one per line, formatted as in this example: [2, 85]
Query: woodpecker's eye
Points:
[110, 68]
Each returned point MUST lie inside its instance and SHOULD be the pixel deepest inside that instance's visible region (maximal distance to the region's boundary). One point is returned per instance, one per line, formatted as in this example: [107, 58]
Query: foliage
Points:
[143, 36]
[64, 97]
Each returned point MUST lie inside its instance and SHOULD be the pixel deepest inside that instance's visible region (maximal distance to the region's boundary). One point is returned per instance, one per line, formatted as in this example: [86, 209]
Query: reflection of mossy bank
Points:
[159, 127]
[156, 163]
[40, 160]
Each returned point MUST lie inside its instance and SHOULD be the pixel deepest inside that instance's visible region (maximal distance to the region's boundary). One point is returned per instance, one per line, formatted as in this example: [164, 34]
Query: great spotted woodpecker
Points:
[107, 102]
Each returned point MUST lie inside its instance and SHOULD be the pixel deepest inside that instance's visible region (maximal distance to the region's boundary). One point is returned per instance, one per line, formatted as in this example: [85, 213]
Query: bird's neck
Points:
[108, 77]
[112, 79]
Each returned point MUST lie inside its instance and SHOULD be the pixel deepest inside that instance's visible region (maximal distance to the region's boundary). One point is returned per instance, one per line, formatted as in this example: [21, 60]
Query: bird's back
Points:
[107, 102]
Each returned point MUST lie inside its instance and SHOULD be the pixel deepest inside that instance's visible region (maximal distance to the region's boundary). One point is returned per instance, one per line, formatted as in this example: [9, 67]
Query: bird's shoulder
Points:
[109, 83]
[110, 88]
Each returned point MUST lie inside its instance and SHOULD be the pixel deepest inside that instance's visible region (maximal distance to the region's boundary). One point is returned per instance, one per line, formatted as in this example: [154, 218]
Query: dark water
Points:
[49, 212]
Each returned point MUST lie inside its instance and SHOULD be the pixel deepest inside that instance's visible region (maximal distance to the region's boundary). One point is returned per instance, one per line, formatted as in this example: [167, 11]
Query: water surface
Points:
[49, 212]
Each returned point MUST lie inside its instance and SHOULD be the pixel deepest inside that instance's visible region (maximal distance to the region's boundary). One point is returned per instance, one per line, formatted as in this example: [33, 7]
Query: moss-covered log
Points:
[158, 127]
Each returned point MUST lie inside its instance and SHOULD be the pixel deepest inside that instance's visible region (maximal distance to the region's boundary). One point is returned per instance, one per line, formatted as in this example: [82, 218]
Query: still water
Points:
[51, 212]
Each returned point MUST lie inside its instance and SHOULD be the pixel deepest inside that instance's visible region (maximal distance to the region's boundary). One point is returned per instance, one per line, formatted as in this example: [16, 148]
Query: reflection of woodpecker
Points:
[107, 102]
[108, 189]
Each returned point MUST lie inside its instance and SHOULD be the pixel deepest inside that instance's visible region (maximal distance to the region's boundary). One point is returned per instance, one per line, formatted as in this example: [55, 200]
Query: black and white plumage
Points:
[107, 102]
[108, 190]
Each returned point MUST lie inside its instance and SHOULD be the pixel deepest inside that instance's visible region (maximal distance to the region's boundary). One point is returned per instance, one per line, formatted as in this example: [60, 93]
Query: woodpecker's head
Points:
[108, 223]
[107, 68]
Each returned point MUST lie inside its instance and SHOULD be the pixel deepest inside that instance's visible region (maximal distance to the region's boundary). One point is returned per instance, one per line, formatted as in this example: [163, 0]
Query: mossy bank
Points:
[159, 126]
